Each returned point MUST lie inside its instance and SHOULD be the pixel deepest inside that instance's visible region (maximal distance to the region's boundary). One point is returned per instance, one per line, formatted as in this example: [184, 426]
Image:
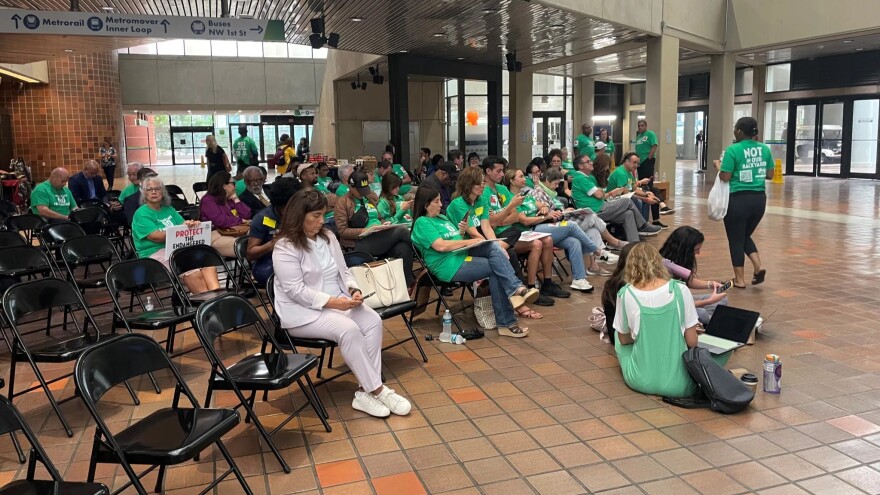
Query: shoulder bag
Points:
[385, 278]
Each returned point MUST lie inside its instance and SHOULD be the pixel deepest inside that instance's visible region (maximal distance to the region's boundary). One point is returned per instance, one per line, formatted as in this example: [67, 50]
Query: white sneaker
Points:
[608, 257]
[370, 404]
[581, 284]
[394, 402]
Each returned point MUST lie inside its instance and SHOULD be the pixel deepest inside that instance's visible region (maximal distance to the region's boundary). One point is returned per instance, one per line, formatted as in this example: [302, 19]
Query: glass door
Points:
[548, 132]
[806, 118]
[818, 145]
[830, 144]
[865, 132]
[188, 144]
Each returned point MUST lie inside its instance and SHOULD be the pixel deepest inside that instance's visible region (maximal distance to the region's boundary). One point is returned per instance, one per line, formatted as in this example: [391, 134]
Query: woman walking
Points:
[108, 161]
[745, 165]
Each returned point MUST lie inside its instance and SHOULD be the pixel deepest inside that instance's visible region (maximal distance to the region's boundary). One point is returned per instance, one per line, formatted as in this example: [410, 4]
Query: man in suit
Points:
[133, 201]
[253, 195]
[88, 184]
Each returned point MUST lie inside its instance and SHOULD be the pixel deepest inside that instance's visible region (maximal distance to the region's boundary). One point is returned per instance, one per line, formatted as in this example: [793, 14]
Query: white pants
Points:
[358, 332]
[593, 226]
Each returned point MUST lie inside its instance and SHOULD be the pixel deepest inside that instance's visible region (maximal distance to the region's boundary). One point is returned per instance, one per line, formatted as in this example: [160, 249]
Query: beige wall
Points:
[759, 23]
[643, 15]
[354, 107]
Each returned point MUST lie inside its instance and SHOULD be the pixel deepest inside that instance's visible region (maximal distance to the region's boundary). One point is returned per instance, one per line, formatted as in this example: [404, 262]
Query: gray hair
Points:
[250, 171]
[137, 165]
[344, 170]
[552, 174]
[154, 179]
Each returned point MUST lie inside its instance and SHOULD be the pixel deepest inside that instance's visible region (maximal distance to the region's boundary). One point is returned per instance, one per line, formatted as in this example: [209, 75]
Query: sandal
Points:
[515, 331]
[526, 312]
[759, 277]
[523, 296]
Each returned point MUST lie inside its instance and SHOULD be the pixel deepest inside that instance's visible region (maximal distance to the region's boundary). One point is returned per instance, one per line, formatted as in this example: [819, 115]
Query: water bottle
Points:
[772, 374]
[149, 304]
[446, 333]
[458, 339]
[663, 177]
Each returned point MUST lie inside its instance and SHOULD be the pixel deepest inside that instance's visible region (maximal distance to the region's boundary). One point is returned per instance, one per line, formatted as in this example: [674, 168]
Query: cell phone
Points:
[371, 294]
[523, 193]
[724, 287]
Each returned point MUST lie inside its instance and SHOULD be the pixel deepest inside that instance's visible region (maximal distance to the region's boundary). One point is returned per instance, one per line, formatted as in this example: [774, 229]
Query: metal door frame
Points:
[190, 129]
[545, 116]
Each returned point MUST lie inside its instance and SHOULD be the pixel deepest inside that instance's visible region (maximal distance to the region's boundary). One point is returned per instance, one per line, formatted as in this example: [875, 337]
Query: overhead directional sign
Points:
[139, 26]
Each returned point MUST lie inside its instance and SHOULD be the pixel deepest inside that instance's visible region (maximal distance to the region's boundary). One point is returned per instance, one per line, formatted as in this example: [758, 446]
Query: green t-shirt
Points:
[400, 172]
[400, 215]
[497, 200]
[644, 142]
[240, 187]
[128, 191]
[324, 182]
[146, 221]
[58, 200]
[326, 192]
[529, 206]
[477, 212]
[620, 178]
[568, 165]
[748, 162]
[530, 182]
[582, 187]
[342, 190]
[586, 146]
[372, 212]
[244, 148]
[425, 231]
[609, 147]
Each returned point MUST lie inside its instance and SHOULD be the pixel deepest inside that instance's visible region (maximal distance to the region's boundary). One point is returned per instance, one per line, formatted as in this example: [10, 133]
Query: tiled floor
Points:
[550, 414]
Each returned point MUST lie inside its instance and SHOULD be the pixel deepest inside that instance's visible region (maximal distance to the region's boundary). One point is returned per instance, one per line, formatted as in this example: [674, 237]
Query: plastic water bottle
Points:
[663, 176]
[458, 339]
[446, 333]
[149, 304]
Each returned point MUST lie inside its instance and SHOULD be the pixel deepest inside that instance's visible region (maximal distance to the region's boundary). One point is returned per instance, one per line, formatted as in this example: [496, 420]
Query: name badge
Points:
[468, 258]
[269, 222]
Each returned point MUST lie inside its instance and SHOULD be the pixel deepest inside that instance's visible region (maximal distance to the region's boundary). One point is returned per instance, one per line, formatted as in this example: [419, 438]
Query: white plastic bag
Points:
[718, 197]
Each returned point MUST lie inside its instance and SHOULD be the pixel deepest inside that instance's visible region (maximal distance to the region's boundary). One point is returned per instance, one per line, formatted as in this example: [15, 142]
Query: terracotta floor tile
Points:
[417, 437]
[509, 487]
[380, 465]
[863, 478]
[340, 472]
[358, 488]
[599, 477]
[590, 429]
[332, 451]
[445, 478]
[376, 444]
[469, 394]
[614, 448]
[827, 458]
[473, 449]
[651, 441]
[626, 423]
[556, 483]
[462, 356]
[713, 481]
[533, 462]
[398, 484]
[829, 484]
[670, 486]
[573, 455]
[661, 417]
[490, 470]
[509, 443]
[753, 475]
[854, 425]
[430, 456]
[792, 467]
[549, 436]
[641, 469]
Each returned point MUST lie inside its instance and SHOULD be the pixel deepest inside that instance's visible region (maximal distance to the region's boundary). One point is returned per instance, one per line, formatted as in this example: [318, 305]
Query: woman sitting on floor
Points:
[656, 321]
[680, 252]
[441, 243]
[317, 297]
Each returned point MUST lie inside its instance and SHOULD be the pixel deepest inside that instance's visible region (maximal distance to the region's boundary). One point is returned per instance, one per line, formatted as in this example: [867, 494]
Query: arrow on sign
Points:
[16, 18]
[258, 29]
[165, 24]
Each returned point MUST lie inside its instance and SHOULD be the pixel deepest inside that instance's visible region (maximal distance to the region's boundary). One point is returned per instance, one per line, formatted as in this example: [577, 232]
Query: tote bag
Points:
[718, 198]
[385, 278]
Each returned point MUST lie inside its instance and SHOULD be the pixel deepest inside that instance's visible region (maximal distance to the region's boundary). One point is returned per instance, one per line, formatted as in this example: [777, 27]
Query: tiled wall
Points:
[140, 140]
[63, 123]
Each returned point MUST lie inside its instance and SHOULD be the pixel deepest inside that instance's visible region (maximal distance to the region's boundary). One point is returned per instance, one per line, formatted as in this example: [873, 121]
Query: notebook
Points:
[728, 329]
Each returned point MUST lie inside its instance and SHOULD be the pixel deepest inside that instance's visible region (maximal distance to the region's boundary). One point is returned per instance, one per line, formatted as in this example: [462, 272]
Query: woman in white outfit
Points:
[316, 296]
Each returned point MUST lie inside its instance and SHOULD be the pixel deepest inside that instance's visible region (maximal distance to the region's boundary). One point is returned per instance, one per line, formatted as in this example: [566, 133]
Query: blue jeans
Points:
[574, 241]
[643, 207]
[488, 262]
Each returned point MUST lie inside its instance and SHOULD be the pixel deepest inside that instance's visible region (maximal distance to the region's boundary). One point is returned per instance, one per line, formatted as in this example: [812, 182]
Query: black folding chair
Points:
[93, 255]
[424, 278]
[180, 204]
[25, 299]
[175, 192]
[9, 238]
[274, 370]
[245, 270]
[197, 257]
[145, 280]
[54, 234]
[12, 421]
[166, 437]
[92, 219]
[8, 208]
[199, 187]
[24, 261]
[355, 258]
[28, 225]
[290, 343]
[91, 203]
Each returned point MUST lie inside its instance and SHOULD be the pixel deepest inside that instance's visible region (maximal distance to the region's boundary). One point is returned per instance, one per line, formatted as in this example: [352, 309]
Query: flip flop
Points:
[528, 313]
[759, 277]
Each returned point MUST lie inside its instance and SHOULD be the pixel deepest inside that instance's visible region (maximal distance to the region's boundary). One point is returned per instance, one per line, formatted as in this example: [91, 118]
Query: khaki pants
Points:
[224, 244]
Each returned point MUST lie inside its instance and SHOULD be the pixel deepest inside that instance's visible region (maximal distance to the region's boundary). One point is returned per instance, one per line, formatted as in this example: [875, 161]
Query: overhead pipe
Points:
[74, 5]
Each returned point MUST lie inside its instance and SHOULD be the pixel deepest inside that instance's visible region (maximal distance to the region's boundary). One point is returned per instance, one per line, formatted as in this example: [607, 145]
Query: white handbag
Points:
[385, 278]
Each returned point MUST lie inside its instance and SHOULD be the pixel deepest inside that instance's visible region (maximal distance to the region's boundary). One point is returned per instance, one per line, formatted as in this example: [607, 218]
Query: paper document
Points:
[578, 213]
[376, 228]
[627, 195]
[531, 235]
[484, 241]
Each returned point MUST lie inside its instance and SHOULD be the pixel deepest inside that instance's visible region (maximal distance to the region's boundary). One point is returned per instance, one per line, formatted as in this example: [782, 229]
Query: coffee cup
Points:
[750, 381]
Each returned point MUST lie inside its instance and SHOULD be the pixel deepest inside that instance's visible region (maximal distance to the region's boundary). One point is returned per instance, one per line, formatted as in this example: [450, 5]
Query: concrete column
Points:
[759, 80]
[721, 92]
[587, 108]
[689, 151]
[520, 145]
[661, 100]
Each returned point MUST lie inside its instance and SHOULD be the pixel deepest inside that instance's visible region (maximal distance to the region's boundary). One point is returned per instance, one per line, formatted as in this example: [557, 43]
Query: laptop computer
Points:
[728, 329]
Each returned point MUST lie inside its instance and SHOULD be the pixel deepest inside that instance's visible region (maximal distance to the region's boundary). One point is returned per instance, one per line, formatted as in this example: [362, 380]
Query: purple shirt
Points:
[220, 214]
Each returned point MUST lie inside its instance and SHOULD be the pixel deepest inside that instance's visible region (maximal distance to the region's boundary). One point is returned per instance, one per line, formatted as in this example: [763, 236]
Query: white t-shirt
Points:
[653, 299]
[321, 249]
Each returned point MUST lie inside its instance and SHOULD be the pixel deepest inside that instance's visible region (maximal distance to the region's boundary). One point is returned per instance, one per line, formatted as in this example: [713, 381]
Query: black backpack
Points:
[719, 390]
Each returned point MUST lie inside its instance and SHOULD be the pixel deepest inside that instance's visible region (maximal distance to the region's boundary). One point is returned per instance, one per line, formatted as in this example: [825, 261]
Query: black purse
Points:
[360, 218]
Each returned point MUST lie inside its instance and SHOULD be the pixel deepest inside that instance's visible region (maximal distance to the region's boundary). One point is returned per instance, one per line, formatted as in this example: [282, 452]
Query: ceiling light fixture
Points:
[439, 35]
[489, 11]
[820, 46]
[404, 51]
[107, 8]
[461, 58]
[859, 49]
[557, 26]
[17, 76]
[356, 19]
[68, 50]
[847, 41]
[604, 118]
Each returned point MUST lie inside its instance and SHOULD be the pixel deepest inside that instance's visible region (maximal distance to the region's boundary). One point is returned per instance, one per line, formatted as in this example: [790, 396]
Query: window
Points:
[275, 50]
[476, 88]
[299, 51]
[223, 48]
[148, 49]
[250, 49]
[741, 110]
[743, 82]
[197, 47]
[778, 78]
[543, 84]
[775, 132]
[170, 47]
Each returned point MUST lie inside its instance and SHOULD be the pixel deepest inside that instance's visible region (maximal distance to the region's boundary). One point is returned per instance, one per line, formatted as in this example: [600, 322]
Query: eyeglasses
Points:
[232, 182]
[153, 189]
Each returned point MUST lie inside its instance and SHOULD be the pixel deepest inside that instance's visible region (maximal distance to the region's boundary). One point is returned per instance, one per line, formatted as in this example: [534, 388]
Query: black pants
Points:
[391, 243]
[744, 213]
[110, 173]
[646, 171]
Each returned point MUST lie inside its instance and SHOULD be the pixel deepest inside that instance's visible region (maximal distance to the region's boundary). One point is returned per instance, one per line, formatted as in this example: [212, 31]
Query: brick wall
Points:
[140, 140]
[63, 123]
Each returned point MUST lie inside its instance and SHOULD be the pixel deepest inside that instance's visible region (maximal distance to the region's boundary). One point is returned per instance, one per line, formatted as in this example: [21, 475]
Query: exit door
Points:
[816, 145]
[548, 132]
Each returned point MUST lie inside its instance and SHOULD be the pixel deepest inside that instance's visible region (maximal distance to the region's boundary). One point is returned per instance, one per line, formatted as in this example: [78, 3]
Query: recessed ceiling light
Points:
[107, 8]
[847, 41]
[68, 50]
[820, 46]
[859, 49]
[439, 35]
[489, 11]
[356, 19]
[557, 26]
[404, 51]
[461, 58]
